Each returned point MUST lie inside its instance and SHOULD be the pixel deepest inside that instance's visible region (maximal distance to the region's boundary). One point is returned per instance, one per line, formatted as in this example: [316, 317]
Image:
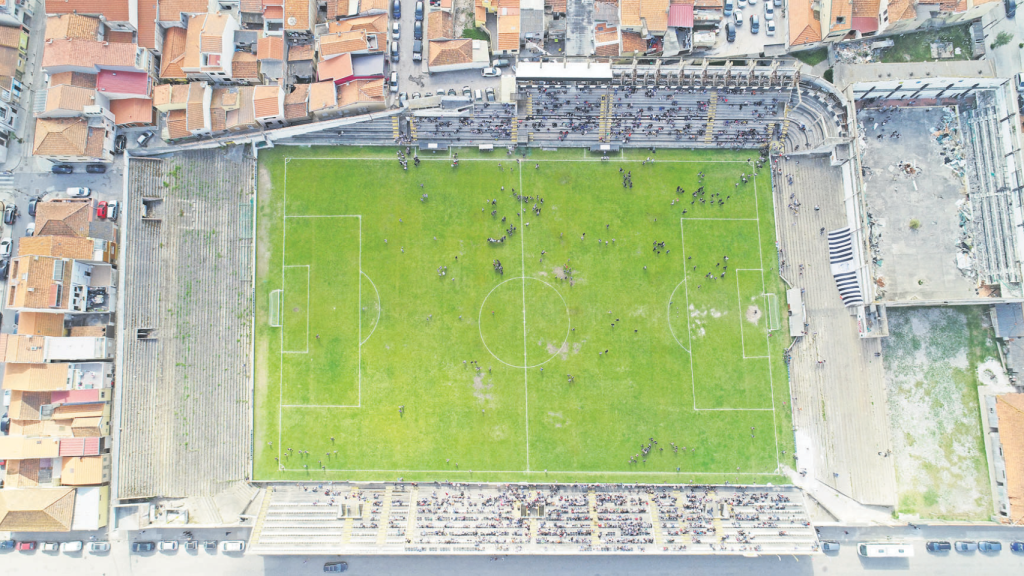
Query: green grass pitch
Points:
[352, 257]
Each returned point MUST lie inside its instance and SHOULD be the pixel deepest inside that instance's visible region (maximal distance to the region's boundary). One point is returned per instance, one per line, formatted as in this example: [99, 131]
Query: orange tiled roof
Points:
[440, 25]
[73, 79]
[629, 13]
[132, 111]
[902, 10]
[120, 37]
[1010, 409]
[373, 6]
[270, 48]
[211, 39]
[69, 98]
[251, 6]
[296, 15]
[60, 136]
[322, 96]
[360, 92]
[607, 50]
[244, 66]
[8, 61]
[171, 10]
[508, 25]
[265, 101]
[173, 54]
[58, 246]
[68, 217]
[37, 509]
[177, 125]
[112, 10]
[273, 13]
[804, 28]
[375, 23]
[342, 42]
[147, 23]
[296, 102]
[842, 9]
[450, 52]
[73, 52]
[170, 94]
[195, 109]
[244, 116]
[299, 52]
[72, 26]
[632, 42]
[866, 8]
[40, 324]
[655, 14]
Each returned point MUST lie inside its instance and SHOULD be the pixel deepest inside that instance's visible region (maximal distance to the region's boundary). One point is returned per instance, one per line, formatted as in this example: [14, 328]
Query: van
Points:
[728, 9]
[499, 62]
[885, 550]
[232, 546]
[730, 32]
[479, 95]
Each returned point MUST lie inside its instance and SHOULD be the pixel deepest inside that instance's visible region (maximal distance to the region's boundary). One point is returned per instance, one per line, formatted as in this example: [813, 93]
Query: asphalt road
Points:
[845, 562]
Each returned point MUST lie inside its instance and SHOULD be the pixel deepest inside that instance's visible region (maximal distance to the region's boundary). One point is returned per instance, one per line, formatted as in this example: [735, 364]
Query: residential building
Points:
[351, 42]
[323, 100]
[270, 55]
[176, 13]
[245, 68]
[300, 63]
[58, 376]
[296, 105]
[167, 97]
[76, 26]
[92, 506]
[38, 349]
[89, 56]
[268, 106]
[13, 12]
[209, 47]
[361, 97]
[78, 139]
[197, 109]
[115, 84]
[118, 15]
[54, 284]
[37, 509]
[461, 54]
[173, 54]
[68, 246]
[440, 25]
[273, 17]
[68, 101]
[508, 27]
[243, 117]
[85, 470]
[299, 19]
[347, 67]
[132, 112]
[40, 324]
[531, 19]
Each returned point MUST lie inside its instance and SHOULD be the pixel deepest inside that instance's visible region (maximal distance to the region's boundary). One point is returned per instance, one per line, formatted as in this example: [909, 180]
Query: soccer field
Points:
[389, 345]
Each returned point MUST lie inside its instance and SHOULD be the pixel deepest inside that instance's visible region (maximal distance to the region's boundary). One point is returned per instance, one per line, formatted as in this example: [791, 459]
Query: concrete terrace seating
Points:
[517, 518]
[481, 123]
[184, 385]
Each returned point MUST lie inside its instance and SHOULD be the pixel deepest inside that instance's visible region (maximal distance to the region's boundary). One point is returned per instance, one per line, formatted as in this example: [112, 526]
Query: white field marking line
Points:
[771, 379]
[549, 472]
[526, 371]
[306, 351]
[278, 294]
[435, 159]
[722, 219]
[280, 366]
[377, 321]
[739, 308]
[671, 298]
[321, 406]
[480, 316]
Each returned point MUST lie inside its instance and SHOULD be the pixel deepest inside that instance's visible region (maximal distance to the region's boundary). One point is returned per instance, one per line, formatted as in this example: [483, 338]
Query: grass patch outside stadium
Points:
[354, 319]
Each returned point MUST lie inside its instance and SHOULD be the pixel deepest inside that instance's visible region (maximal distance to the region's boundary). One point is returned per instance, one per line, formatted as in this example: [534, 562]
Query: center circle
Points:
[524, 322]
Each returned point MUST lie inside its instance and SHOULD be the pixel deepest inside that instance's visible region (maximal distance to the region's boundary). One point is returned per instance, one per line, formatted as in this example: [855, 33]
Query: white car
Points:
[738, 14]
[30, 230]
[769, 11]
[167, 546]
[5, 248]
[51, 546]
[98, 547]
[74, 546]
[232, 546]
[394, 82]
[488, 72]
[396, 31]
[79, 192]
[769, 28]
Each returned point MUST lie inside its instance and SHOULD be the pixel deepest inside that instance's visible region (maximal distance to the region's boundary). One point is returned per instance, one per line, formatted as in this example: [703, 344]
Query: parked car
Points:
[1011, 8]
[466, 91]
[490, 94]
[417, 30]
[1017, 546]
[62, 169]
[210, 545]
[232, 546]
[394, 81]
[769, 11]
[738, 18]
[755, 24]
[829, 546]
[938, 546]
[144, 138]
[490, 72]
[730, 32]
[192, 545]
[396, 30]
[417, 50]
[989, 546]
[416, 95]
[32, 206]
[120, 143]
[335, 566]
[96, 168]
[769, 28]
[7, 544]
[10, 214]
[419, 10]
[403, 98]
[965, 546]
[143, 547]
[5, 268]
[98, 547]
[73, 546]
[729, 6]
[101, 210]
[499, 62]
[478, 95]
[6, 247]
[30, 230]
[396, 9]
[79, 192]
[168, 545]
[51, 546]
[112, 210]
[25, 546]
[778, 3]
[394, 52]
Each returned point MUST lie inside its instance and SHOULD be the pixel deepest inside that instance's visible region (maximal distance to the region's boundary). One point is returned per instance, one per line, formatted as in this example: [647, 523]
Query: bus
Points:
[885, 550]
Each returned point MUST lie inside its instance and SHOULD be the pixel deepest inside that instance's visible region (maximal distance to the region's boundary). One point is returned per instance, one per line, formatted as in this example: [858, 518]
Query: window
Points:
[58, 270]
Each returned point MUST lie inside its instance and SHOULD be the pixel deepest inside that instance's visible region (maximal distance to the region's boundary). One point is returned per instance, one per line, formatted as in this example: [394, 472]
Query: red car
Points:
[101, 210]
[25, 546]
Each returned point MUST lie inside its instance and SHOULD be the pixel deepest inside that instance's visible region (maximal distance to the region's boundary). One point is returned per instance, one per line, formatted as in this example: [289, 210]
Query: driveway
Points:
[746, 42]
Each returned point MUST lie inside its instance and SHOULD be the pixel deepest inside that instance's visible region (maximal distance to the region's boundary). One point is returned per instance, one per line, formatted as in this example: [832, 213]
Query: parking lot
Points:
[746, 42]
[413, 76]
